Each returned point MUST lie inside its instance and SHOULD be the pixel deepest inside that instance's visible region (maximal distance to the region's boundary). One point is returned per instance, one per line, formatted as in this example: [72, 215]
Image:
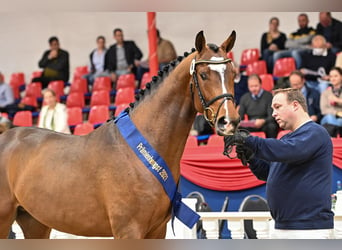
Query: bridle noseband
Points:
[208, 111]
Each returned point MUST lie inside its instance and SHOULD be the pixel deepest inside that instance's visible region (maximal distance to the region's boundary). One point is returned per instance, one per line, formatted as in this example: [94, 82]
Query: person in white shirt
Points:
[53, 114]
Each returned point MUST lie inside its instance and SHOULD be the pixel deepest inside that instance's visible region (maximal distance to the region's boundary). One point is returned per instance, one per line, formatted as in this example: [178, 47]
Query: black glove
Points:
[244, 153]
[238, 138]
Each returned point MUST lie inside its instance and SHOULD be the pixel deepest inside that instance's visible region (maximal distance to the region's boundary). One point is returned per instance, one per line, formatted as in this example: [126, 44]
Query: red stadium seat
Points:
[284, 66]
[102, 83]
[58, 87]
[36, 74]
[23, 119]
[257, 67]
[79, 85]
[230, 55]
[2, 114]
[124, 95]
[145, 79]
[74, 116]
[120, 108]
[249, 55]
[83, 129]
[75, 99]
[34, 89]
[98, 114]
[267, 81]
[126, 81]
[80, 71]
[100, 97]
[17, 79]
[29, 100]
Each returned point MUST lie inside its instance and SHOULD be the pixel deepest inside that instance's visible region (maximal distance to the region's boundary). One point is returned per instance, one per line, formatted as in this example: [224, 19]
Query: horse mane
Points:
[156, 81]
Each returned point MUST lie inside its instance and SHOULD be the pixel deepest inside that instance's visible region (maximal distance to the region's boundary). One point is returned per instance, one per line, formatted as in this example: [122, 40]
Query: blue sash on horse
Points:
[158, 167]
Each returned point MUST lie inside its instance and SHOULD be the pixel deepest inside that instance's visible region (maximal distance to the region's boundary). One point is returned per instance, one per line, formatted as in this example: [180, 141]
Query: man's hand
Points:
[244, 153]
[53, 54]
[238, 138]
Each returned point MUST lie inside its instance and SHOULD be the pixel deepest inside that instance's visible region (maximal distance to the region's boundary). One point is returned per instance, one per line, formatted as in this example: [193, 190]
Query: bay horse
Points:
[94, 185]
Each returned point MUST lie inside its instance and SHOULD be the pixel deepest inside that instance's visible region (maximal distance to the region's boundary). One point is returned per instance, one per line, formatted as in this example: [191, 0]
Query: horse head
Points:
[213, 76]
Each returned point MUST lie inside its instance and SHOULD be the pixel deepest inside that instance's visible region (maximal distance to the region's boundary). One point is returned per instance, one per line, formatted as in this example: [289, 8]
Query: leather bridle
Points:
[208, 113]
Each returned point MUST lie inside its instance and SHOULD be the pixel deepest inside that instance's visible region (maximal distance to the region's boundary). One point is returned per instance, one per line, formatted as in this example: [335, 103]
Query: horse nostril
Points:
[221, 123]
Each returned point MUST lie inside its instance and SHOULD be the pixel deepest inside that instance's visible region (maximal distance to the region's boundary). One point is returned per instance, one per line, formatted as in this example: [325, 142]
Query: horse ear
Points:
[229, 43]
[200, 41]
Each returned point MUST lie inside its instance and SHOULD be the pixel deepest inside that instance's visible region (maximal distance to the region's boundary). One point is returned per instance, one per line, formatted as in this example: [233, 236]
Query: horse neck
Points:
[165, 117]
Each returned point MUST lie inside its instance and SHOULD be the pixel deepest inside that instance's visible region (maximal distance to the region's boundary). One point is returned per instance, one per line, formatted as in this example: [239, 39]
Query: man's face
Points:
[303, 21]
[324, 19]
[118, 36]
[282, 111]
[296, 82]
[54, 45]
[254, 86]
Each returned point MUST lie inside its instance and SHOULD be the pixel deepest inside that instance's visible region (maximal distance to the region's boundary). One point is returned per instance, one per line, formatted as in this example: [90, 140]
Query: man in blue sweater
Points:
[297, 169]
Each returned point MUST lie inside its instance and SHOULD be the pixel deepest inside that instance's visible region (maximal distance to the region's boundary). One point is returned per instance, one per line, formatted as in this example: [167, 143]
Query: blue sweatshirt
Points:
[298, 174]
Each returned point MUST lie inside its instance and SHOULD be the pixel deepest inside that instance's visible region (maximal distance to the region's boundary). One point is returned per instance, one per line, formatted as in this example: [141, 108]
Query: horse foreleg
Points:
[7, 217]
[32, 229]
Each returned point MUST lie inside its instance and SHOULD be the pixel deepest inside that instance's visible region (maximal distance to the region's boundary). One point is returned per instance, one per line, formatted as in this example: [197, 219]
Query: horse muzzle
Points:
[224, 126]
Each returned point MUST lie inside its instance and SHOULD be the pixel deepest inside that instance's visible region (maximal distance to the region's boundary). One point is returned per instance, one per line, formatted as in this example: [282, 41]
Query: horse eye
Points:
[203, 76]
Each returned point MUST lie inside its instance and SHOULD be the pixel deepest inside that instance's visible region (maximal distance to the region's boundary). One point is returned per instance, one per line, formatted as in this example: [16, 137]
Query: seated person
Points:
[331, 29]
[53, 114]
[257, 106]
[55, 64]
[166, 53]
[298, 41]
[331, 103]
[240, 84]
[123, 57]
[272, 41]
[316, 63]
[96, 62]
[7, 101]
[312, 96]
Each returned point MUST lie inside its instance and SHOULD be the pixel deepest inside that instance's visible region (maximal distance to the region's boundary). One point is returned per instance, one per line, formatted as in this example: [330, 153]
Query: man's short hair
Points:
[117, 30]
[255, 76]
[52, 39]
[293, 95]
[297, 73]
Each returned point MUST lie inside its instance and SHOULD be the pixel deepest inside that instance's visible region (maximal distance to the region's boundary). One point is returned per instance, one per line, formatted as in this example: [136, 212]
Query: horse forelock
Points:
[213, 47]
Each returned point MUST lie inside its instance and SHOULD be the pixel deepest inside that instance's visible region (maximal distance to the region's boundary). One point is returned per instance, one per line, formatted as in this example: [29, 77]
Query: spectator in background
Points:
[166, 53]
[7, 102]
[97, 60]
[55, 64]
[312, 96]
[298, 41]
[316, 63]
[331, 29]
[257, 106]
[272, 41]
[53, 114]
[123, 57]
[331, 103]
[240, 84]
